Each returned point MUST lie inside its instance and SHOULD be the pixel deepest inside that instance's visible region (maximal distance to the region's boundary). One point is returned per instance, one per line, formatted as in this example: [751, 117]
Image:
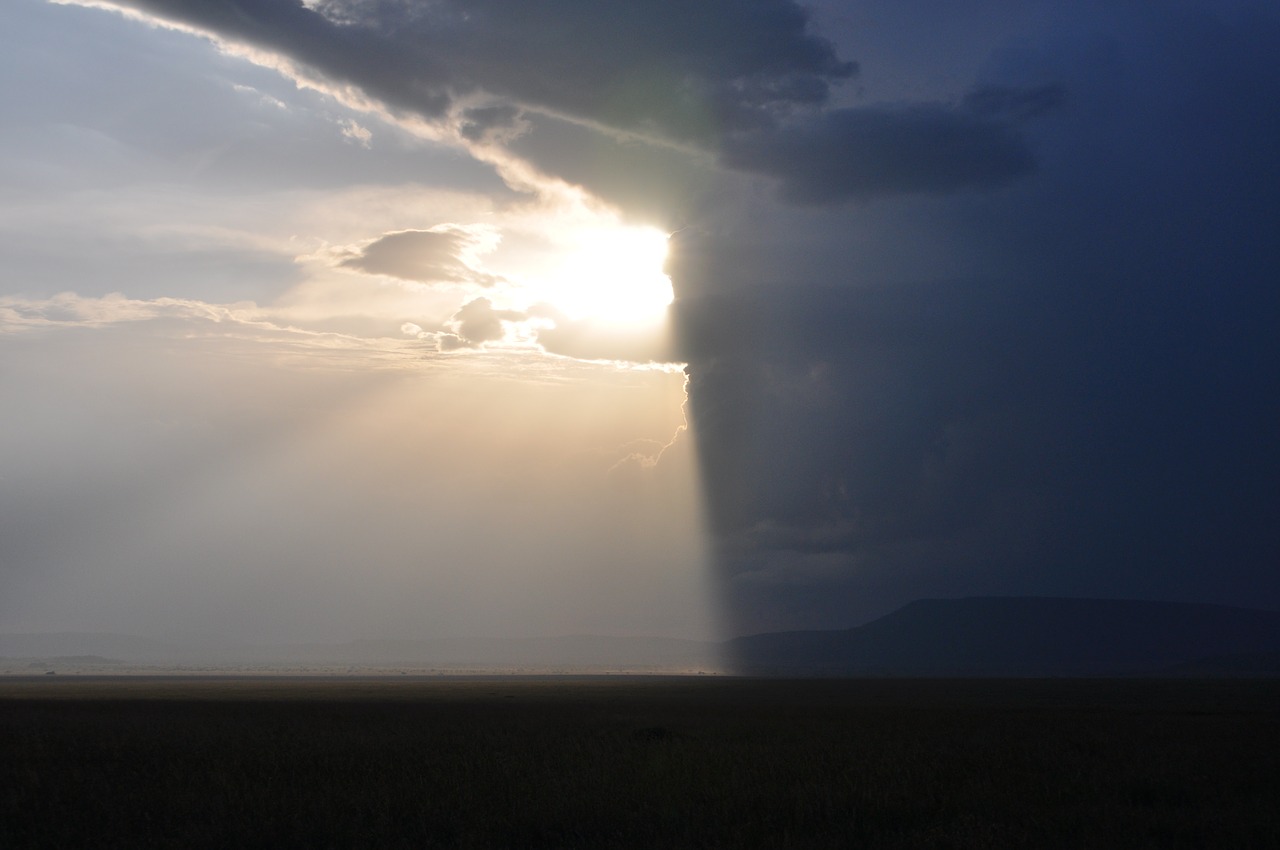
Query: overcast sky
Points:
[348, 318]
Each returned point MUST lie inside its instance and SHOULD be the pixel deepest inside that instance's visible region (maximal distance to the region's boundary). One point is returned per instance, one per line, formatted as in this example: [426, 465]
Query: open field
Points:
[638, 762]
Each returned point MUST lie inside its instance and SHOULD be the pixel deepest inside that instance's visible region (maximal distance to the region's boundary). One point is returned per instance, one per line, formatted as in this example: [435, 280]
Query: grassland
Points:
[634, 762]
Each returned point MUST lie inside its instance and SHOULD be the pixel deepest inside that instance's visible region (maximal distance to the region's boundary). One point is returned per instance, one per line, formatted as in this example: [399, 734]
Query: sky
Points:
[335, 319]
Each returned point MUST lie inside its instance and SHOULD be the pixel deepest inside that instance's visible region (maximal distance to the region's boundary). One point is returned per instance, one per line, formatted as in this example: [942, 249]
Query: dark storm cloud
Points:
[859, 153]
[745, 81]
[648, 181]
[680, 70]
[486, 123]
[426, 256]
[1085, 405]
[1019, 103]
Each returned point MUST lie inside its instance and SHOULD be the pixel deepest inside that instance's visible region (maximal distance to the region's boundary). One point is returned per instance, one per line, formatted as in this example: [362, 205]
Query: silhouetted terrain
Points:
[638, 762]
[1009, 636]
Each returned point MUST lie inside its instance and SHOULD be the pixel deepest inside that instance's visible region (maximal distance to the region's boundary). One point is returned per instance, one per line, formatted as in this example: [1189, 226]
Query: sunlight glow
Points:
[614, 275]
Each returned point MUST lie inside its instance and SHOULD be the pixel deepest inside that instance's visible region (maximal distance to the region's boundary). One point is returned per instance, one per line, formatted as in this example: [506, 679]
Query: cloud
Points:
[356, 133]
[748, 82]
[638, 65]
[413, 330]
[590, 339]
[865, 152]
[477, 323]
[1015, 102]
[256, 333]
[488, 124]
[425, 256]
[69, 310]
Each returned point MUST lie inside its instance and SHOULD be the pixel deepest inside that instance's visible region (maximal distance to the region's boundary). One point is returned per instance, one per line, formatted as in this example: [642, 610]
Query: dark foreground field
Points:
[628, 762]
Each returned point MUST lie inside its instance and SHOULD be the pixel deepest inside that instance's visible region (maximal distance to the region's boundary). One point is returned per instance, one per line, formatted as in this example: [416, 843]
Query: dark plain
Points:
[638, 762]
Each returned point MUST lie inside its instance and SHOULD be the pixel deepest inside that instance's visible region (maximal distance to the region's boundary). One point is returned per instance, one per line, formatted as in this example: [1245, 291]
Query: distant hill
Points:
[1022, 636]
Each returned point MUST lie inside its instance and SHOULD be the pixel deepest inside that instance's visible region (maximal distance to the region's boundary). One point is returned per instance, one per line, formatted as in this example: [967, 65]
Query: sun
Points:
[612, 275]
